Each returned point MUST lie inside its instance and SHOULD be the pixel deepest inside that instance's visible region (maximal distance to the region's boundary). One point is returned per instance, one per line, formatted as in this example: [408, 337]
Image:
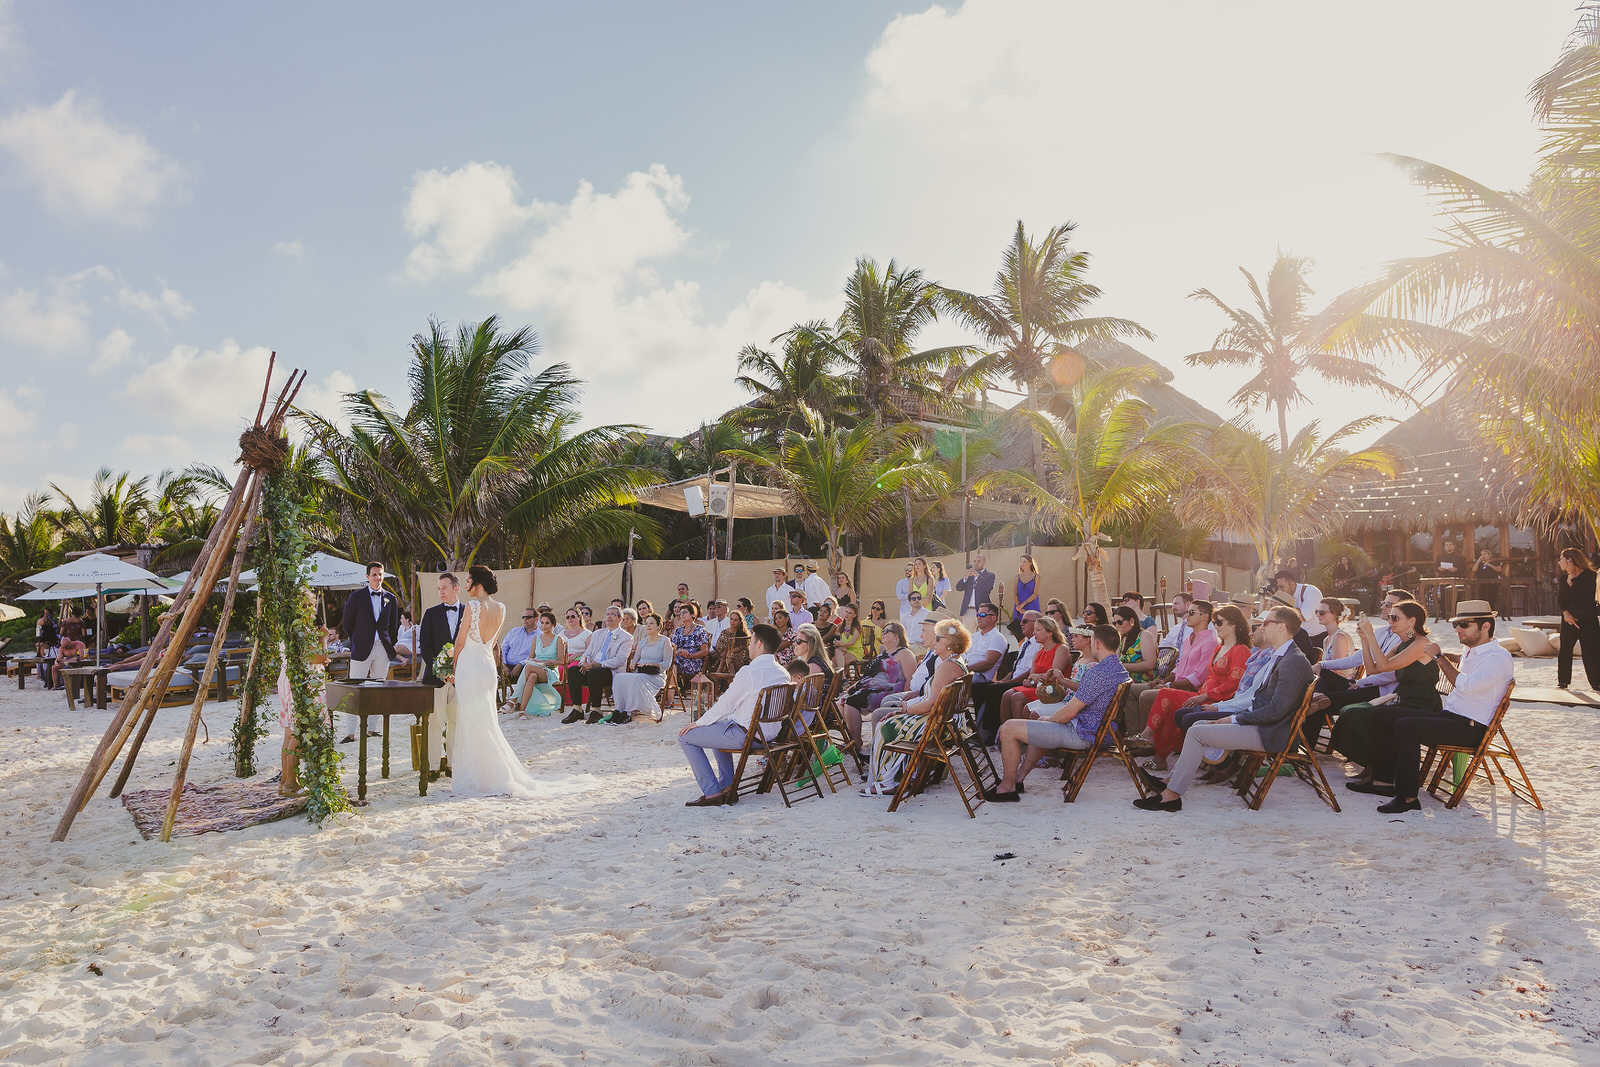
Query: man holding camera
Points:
[976, 587]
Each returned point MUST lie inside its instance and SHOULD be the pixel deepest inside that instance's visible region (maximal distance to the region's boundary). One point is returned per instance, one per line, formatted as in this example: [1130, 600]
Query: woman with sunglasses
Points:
[889, 671]
[780, 622]
[1222, 681]
[589, 621]
[1094, 614]
[1138, 652]
[1336, 645]
[575, 635]
[732, 650]
[1357, 732]
[1051, 655]
[878, 615]
[856, 641]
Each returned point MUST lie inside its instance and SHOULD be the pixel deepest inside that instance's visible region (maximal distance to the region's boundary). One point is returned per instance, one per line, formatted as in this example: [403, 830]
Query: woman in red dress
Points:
[1222, 681]
[1052, 654]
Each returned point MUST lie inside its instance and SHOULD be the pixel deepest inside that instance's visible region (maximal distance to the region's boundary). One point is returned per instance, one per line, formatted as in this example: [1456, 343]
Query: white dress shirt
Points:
[377, 603]
[738, 704]
[816, 589]
[1024, 662]
[776, 594]
[609, 648]
[1307, 598]
[576, 643]
[1175, 636]
[902, 590]
[912, 621]
[1487, 671]
[714, 627]
[982, 645]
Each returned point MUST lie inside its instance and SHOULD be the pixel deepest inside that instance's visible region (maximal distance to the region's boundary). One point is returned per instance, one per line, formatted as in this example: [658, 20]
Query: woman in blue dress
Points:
[1027, 598]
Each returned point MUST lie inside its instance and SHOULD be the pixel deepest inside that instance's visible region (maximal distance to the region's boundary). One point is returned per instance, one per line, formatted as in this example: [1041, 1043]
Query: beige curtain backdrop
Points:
[515, 593]
[594, 585]
[656, 580]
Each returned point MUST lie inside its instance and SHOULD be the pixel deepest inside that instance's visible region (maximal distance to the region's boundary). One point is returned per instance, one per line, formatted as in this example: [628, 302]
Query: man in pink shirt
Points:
[1194, 660]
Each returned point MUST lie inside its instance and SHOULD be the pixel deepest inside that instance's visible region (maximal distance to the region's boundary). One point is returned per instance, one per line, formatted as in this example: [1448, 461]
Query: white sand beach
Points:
[620, 927]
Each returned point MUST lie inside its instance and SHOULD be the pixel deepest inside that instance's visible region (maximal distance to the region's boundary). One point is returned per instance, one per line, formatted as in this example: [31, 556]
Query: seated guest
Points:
[1050, 654]
[630, 620]
[1095, 614]
[1134, 600]
[744, 607]
[877, 615]
[827, 620]
[1480, 683]
[1073, 724]
[1223, 675]
[405, 644]
[732, 650]
[809, 649]
[1189, 673]
[1266, 725]
[780, 623]
[888, 672]
[1179, 633]
[723, 728]
[1138, 653]
[856, 642]
[987, 696]
[988, 644]
[915, 612]
[693, 645]
[1334, 694]
[1336, 644]
[516, 649]
[798, 615]
[636, 687]
[538, 693]
[1363, 732]
[643, 608]
[605, 653]
[1254, 674]
[905, 719]
[716, 620]
[574, 636]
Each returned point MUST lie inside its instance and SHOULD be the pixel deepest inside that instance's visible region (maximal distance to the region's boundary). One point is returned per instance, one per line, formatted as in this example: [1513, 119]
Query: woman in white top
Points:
[575, 636]
[645, 673]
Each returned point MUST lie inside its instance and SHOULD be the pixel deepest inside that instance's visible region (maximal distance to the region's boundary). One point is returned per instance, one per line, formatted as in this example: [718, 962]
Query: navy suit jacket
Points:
[358, 627]
[434, 634]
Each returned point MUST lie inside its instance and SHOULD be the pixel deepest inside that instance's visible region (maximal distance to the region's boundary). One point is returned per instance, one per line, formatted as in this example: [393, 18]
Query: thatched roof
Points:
[1451, 478]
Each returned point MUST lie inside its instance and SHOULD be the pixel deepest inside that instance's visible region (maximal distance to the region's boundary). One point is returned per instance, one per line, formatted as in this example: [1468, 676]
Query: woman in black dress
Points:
[1579, 622]
[1363, 734]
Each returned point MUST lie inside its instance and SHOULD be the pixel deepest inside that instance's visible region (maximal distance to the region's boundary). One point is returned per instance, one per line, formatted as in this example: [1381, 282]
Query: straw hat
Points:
[1470, 610]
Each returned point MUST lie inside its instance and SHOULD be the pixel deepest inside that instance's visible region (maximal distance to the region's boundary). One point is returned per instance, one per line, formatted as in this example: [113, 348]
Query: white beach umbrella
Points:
[330, 572]
[9, 612]
[126, 605]
[92, 574]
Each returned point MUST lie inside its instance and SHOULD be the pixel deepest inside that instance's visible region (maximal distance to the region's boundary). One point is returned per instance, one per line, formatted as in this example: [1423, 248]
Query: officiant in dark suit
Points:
[439, 627]
[370, 623]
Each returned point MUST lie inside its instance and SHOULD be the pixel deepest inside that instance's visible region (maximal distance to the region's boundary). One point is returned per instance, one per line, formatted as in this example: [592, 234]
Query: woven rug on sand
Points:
[204, 809]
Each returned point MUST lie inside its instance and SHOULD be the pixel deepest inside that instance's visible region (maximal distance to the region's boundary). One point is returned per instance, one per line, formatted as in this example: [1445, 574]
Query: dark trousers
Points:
[1187, 717]
[1589, 634]
[986, 704]
[1412, 729]
[593, 676]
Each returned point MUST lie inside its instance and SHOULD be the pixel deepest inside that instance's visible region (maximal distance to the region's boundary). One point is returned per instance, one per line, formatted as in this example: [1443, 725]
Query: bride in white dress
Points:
[482, 763]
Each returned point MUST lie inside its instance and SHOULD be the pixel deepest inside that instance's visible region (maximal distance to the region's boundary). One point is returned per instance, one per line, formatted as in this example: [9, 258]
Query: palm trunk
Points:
[911, 544]
[1098, 593]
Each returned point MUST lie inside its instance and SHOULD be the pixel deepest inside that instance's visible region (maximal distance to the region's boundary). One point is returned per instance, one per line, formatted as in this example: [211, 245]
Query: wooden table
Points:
[24, 664]
[367, 700]
[94, 681]
[1550, 623]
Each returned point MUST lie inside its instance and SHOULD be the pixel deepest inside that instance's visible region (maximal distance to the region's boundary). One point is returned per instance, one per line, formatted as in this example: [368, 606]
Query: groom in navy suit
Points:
[438, 628]
[370, 623]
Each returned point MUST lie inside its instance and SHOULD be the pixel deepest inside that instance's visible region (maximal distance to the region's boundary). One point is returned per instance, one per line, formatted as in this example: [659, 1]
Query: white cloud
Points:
[169, 302]
[54, 318]
[290, 249]
[85, 166]
[20, 406]
[113, 350]
[463, 215]
[160, 451]
[217, 389]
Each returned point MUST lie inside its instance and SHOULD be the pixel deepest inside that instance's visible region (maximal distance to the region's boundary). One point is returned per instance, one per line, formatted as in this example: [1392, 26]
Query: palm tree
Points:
[118, 511]
[874, 339]
[842, 480]
[1278, 341]
[1509, 312]
[783, 387]
[1110, 467]
[29, 542]
[1241, 482]
[186, 510]
[441, 480]
[1034, 317]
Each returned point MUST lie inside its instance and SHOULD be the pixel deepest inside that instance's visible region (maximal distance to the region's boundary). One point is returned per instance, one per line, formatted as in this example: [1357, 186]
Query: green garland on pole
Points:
[288, 617]
[248, 729]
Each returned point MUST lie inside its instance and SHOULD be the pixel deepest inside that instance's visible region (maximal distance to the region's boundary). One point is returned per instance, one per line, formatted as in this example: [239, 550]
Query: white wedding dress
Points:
[482, 763]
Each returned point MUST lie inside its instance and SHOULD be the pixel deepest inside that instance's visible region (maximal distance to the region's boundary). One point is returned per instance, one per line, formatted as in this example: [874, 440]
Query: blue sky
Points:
[185, 186]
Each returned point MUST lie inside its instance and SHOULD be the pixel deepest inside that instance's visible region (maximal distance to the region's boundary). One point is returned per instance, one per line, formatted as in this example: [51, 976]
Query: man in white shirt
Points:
[722, 730]
[1305, 600]
[986, 696]
[777, 593]
[815, 586]
[607, 650]
[1485, 676]
[716, 620]
[988, 645]
[912, 617]
[798, 615]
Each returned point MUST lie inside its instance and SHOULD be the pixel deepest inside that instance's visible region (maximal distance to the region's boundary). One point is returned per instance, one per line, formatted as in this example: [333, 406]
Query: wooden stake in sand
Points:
[262, 447]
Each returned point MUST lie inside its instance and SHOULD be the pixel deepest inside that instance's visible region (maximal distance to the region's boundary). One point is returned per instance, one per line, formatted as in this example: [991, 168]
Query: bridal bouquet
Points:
[444, 664]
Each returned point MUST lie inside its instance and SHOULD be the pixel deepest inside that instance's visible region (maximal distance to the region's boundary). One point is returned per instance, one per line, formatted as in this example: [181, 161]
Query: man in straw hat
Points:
[1481, 680]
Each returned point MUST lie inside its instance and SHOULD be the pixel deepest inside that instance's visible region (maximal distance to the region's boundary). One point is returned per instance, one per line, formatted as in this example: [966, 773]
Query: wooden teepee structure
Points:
[263, 448]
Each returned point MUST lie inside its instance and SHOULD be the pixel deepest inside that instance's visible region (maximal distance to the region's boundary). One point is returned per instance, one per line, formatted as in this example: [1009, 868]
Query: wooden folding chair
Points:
[1324, 743]
[774, 710]
[813, 694]
[1075, 762]
[1495, 746]
[1299, 759]
[939, 748]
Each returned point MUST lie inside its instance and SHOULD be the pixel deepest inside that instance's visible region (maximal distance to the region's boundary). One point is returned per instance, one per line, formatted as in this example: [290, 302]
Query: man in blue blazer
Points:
[1265, 725]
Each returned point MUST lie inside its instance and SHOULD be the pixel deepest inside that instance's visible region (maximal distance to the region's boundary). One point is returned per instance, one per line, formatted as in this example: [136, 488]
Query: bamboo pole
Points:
[211, 661]
[105, 752]
[186, 627]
